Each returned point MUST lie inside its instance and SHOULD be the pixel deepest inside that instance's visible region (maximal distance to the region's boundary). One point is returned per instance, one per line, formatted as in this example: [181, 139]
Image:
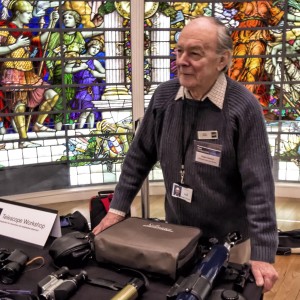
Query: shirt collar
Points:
[216, 94]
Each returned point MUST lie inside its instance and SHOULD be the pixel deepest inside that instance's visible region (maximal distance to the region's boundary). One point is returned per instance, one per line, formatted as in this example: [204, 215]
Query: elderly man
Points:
[208, 133]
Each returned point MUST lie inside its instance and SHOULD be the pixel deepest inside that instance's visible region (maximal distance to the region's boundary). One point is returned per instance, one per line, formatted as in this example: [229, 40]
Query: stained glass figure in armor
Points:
[23, 88]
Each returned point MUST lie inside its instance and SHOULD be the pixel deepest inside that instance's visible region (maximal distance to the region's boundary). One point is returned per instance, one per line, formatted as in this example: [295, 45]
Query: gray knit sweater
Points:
[238, 195]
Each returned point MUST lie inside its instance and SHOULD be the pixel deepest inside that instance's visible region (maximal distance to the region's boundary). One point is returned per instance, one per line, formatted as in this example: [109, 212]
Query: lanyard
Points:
[185, 142]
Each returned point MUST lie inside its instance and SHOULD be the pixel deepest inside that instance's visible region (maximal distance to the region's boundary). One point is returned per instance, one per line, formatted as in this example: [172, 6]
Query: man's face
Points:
[198, 64]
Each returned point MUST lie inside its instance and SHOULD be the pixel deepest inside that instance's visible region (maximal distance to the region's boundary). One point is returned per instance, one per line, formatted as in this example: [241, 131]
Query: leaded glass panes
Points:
[66, 95]
[265, 59]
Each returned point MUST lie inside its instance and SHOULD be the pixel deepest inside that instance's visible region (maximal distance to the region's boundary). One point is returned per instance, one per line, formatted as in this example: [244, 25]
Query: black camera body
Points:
[60, 285]
[12, 265]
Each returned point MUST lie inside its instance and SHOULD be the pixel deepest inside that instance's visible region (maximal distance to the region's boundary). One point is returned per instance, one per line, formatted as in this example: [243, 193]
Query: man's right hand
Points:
[109, 220]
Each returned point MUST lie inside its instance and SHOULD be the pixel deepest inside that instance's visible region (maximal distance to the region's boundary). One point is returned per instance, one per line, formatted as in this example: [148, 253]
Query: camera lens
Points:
[12, 267]
[10, 272]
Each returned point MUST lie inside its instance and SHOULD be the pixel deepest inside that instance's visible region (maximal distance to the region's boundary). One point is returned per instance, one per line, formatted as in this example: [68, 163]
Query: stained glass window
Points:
[265, 59]
[66, 94]
[66, 87]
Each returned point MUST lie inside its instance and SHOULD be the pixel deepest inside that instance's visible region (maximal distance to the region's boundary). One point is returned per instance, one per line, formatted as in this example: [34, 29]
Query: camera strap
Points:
[38, 260]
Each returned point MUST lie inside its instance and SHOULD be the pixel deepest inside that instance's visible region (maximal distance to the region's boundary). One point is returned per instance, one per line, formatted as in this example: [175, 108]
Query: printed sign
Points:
[28, 223]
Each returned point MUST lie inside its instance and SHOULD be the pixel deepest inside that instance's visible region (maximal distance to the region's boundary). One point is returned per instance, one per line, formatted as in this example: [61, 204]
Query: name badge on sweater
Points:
[207, 153]
[207, 135]
[182, 191]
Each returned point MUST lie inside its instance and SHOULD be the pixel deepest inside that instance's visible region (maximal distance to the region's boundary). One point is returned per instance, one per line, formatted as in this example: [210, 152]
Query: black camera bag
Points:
[289, 238]
[289, 242]
[71, 250]
[75, 221]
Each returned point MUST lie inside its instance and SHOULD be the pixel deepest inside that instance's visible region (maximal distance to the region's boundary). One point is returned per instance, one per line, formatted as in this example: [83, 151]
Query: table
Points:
[157, 289]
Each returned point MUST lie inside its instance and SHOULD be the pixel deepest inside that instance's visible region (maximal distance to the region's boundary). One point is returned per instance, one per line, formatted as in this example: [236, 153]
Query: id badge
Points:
[207, 153]
[183, 192]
